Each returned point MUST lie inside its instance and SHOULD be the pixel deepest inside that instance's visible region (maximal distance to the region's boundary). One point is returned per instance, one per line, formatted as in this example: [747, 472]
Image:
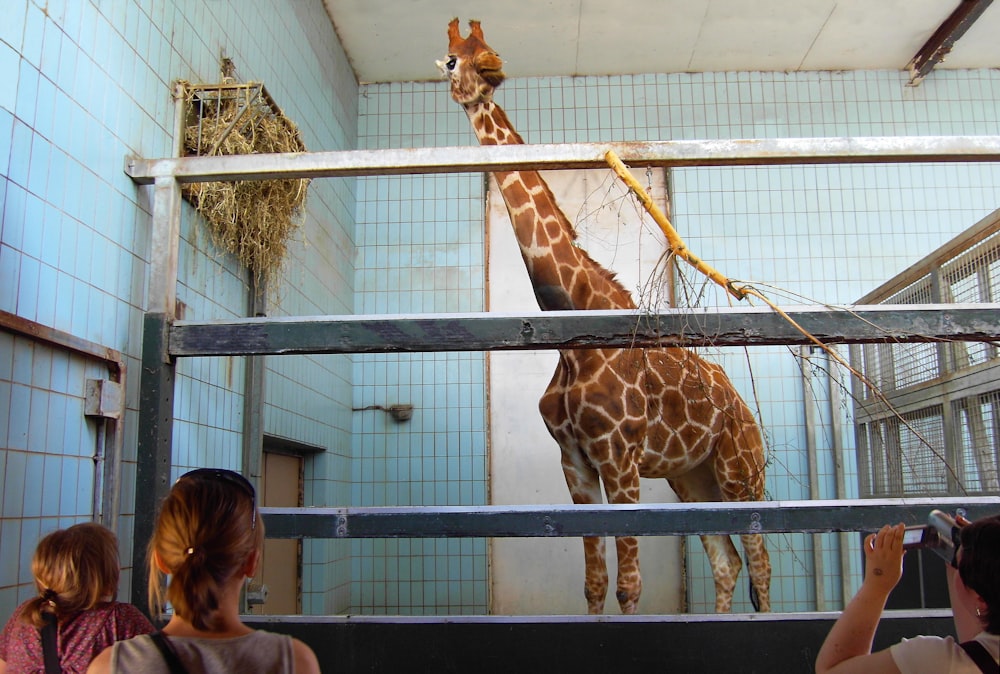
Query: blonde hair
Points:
[205, 532]
[74, 570]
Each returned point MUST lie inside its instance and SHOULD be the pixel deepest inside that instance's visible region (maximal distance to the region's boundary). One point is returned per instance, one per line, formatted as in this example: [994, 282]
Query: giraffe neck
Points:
[563, 275]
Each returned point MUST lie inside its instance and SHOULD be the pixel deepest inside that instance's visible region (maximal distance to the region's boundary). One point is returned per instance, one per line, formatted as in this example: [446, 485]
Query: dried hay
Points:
[251, 219]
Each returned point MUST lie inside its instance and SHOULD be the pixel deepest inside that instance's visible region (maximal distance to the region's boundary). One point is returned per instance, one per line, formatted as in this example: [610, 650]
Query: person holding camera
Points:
[974, 591]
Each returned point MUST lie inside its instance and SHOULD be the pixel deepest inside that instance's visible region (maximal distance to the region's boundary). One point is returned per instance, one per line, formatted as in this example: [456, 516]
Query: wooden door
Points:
[281, 567]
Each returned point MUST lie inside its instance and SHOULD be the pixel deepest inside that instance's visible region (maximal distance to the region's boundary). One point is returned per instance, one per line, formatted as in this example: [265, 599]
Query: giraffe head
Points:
[475, 70]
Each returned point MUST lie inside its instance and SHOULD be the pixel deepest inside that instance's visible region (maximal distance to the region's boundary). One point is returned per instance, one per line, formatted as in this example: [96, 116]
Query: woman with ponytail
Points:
[76, 574]
[208, 539]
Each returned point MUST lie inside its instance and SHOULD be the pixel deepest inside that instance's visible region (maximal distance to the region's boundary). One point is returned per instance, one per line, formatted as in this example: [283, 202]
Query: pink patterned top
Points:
[80, 638]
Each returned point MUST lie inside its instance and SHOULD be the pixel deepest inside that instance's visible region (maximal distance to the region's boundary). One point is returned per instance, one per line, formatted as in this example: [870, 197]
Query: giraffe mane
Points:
[610, 276]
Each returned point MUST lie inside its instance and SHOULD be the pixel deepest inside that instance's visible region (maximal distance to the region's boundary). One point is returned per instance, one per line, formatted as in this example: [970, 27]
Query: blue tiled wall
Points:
[85, 84]
[805, 234]
[420, 250]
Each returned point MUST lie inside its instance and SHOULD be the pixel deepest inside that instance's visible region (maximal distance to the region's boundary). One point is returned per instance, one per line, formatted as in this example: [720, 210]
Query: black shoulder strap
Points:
[981, 656]
[168, 652]
[50, 649]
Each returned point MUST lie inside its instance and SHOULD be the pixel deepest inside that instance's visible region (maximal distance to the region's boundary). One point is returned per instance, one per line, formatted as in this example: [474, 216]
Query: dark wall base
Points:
[785, 643]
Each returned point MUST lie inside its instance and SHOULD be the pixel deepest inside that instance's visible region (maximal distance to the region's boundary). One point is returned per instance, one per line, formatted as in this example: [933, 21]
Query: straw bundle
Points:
[253, 220]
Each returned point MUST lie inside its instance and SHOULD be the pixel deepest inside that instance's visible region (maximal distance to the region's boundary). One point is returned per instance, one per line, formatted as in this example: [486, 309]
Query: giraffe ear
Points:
[490, 67]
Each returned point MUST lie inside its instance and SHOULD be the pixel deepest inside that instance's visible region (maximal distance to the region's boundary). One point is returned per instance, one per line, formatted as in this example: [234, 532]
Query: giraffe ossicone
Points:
[618, 414]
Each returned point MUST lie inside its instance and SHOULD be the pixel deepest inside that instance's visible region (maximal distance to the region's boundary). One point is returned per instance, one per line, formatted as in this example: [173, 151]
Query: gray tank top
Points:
[258, 652]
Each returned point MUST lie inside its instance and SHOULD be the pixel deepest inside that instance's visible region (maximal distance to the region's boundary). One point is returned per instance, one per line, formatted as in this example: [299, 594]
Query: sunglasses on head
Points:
[230, 476]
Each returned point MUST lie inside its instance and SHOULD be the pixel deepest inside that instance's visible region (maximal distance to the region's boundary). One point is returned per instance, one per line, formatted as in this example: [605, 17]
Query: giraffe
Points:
[618, 414]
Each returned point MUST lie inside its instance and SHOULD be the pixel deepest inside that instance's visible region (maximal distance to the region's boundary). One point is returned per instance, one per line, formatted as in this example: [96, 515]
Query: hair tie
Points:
[189, 552]
[49, 596]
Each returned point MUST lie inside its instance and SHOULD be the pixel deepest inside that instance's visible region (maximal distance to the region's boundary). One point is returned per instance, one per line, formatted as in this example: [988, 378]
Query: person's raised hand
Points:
[884, 557]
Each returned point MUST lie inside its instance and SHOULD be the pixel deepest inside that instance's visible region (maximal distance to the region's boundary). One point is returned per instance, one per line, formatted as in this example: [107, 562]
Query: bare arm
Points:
[848, 647]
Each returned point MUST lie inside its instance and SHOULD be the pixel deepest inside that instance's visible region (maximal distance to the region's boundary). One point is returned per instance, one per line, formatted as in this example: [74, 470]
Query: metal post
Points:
[154, 456]
[253, 396]
[809, 408]
[837, 447]
[156, 389]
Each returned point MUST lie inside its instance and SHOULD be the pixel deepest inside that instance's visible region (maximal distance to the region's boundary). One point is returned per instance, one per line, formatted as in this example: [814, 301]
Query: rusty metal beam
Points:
[944, 38]
[754, 326]
[64, 340]
[645, 519]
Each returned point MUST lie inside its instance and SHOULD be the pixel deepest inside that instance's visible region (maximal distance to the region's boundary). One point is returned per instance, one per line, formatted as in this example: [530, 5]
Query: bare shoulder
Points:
[305, 659]
[102, 663]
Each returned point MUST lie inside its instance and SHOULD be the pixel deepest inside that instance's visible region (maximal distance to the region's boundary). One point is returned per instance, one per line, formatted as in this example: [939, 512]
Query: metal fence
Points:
[928, 419]
[923, 328]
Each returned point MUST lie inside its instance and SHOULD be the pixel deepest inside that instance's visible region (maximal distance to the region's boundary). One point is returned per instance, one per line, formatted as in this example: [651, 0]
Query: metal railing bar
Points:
[583, 329]
[659, 519]
[461, 159]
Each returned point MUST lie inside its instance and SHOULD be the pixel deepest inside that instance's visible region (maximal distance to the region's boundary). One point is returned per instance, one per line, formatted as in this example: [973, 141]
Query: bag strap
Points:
[980, 656]
[169, 654]
[50, 649]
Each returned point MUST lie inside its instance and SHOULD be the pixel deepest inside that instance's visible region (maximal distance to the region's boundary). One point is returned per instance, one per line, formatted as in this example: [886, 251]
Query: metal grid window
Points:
[930, 427]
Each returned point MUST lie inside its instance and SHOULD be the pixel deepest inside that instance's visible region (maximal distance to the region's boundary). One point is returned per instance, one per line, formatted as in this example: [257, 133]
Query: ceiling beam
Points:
[944, 38]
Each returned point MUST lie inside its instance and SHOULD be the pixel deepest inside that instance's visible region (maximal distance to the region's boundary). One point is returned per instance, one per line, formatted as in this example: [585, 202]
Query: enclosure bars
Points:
[943, 387]
[674, 153]
[747, 326]
[158, 357]
[641, 519]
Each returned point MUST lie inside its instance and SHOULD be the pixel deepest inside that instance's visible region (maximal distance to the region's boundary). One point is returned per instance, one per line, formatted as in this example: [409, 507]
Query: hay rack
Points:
[250, 219]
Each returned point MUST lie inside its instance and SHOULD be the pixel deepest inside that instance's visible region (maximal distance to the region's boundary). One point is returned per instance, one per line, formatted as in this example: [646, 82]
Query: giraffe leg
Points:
[759, 568]
[701, 485]
[585, 487]
[595, 585]
[622, 486]
[726, 565]
[629, 578]
[745, 482]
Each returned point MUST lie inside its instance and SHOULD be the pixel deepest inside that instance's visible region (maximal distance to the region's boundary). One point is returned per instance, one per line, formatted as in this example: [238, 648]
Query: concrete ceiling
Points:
[399, 40]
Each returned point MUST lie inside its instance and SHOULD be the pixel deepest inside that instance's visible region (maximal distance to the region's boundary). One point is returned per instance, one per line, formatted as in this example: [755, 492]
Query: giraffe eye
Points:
[452, 60]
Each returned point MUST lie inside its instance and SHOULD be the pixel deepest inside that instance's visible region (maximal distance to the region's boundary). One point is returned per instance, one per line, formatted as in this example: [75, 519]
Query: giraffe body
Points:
[618, 414]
